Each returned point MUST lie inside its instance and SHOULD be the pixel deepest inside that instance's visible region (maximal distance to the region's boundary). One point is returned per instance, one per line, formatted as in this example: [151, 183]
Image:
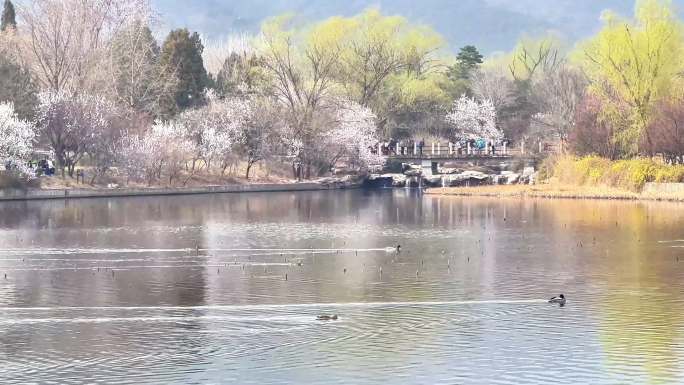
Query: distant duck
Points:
[398, 248]
[327, 317]
[559, 300]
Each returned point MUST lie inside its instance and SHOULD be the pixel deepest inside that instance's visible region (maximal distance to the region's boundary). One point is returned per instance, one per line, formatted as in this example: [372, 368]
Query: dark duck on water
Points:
[327, 317]
[559, 300]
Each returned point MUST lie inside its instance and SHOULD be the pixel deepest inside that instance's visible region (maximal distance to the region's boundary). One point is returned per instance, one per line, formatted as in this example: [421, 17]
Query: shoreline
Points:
[78, 193]
[651, 192]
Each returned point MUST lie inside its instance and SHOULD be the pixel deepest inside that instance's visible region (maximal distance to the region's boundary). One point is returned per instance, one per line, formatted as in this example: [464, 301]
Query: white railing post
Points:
[468, 148]
[540, 146]
[439, 148]
[522, 148]
[433, 148]
[379, 148]
[504, 148]
[415, 148]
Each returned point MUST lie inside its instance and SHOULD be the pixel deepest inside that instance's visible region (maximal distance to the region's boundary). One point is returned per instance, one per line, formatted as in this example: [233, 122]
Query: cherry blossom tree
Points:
[140, 157]
[162, 152]
[16, 139]
[474, 120]
[354, 136]
[215, 127]
[258, 139]
[74, 124]
[177, 149]
[292, 147]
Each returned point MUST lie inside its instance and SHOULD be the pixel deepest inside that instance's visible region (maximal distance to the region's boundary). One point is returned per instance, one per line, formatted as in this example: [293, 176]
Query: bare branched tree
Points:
[302, 78]
[667, 131]
[216, 52]
[65, 40]
[492, 85]
[534, 59]
[136, 78]
[558, 95]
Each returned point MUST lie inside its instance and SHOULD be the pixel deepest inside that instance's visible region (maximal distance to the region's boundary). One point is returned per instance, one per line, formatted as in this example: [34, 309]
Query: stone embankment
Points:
[38, 194]
[452, 178]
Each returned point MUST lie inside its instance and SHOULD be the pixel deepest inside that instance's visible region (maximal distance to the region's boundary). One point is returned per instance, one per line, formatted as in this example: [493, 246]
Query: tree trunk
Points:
[249, 167]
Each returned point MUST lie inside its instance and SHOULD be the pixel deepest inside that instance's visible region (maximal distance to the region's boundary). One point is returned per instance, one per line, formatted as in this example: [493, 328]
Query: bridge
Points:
[432, 154]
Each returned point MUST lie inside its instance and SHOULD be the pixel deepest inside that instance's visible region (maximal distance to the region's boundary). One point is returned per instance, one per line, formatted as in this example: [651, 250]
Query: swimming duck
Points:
[327, 317]
[559, 300]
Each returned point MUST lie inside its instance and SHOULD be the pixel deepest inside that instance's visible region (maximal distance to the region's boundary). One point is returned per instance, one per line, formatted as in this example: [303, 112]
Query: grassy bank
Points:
[587, 178]
[593, 171]
[554, 191]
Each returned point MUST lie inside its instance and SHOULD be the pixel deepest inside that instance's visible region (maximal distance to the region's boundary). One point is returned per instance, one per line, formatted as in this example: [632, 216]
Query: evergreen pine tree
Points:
[181, 54]
[17, 87]
[8, 17]
[467, 61]
[240, 75]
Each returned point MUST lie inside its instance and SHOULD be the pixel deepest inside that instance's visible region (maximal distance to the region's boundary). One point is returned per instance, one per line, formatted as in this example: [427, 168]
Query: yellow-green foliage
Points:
[531, 57]
[364, 57]
[408, 90]
[633, 63]
[629, 174]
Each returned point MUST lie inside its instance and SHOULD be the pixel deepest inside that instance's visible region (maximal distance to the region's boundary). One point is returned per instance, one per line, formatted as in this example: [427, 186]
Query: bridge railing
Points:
[447, 150]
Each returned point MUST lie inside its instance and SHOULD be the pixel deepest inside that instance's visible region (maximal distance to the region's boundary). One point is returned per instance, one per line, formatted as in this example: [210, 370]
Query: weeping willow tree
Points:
[634, 63]
[396, 68]
[371, 59]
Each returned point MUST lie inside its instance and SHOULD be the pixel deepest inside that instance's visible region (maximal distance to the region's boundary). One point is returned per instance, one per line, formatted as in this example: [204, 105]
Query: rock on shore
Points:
[411, 178]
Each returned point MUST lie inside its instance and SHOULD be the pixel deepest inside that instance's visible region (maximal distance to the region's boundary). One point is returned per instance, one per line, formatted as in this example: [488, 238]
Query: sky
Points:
[491, 25]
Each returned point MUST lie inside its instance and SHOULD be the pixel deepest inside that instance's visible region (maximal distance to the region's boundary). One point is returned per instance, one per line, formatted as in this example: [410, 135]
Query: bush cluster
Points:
[629, 174]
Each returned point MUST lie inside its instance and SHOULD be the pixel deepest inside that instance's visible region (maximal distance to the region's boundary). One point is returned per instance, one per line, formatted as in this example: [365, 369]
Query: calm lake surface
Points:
[114, 290]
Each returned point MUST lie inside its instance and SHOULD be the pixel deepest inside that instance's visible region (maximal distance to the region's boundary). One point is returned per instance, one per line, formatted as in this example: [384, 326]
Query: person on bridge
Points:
[421, 144]
[479, 145]
[393, 146]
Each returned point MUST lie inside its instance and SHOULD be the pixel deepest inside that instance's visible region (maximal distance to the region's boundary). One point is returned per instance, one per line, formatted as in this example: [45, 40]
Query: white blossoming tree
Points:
[16, 139]
[474, 120]
[161, 152]
[215, 128]
[258, 138]
[75, 124]
[353, 136]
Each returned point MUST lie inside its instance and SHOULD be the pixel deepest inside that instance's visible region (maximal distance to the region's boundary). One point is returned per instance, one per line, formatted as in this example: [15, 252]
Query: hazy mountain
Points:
[491, 25]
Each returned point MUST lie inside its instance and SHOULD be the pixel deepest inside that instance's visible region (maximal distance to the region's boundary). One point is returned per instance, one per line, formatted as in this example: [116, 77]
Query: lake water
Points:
[212, 289]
